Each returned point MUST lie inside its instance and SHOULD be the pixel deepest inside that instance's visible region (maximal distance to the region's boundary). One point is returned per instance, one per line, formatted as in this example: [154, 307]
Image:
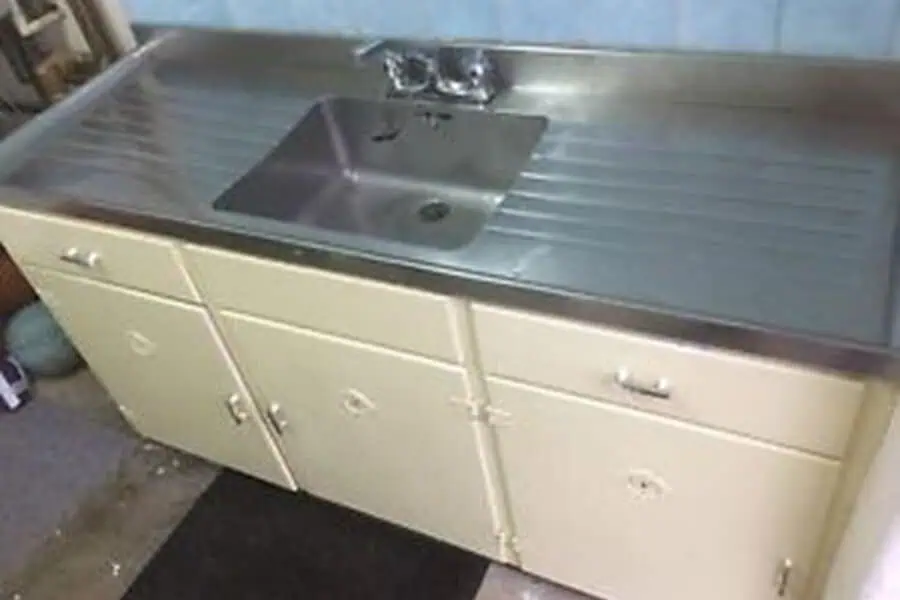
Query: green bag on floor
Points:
[38, 343]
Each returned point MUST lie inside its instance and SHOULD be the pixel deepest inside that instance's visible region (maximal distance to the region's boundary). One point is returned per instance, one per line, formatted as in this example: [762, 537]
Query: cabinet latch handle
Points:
[783, 581]
[277, 419]
[236, 409]
[660, 389]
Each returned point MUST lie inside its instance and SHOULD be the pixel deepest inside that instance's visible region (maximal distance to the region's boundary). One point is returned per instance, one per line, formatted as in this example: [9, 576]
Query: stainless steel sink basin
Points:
[414, 173]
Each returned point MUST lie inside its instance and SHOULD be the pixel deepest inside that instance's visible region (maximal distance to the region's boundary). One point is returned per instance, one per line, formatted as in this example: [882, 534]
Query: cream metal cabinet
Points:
[633, 506]
[383, 432]
[163, 363]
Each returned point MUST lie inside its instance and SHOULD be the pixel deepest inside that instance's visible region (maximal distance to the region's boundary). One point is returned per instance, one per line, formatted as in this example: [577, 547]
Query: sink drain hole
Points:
[434, 211]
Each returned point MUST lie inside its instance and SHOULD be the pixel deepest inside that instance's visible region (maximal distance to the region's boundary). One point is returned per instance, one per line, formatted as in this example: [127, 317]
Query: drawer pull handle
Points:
[277, 419]
[660, 389]
[74, 256]
[235, 408]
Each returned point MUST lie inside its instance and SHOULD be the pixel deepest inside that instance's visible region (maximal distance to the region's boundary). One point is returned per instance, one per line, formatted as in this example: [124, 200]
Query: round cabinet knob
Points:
[357, 403]
[140, 344]
[647, 485]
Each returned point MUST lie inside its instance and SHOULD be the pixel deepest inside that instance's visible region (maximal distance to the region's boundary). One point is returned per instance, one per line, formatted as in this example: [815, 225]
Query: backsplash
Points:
[854, 28]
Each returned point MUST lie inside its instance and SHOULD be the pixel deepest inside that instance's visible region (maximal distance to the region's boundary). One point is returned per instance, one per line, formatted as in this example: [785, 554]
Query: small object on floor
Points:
[14, 389]
[35, 339]
[250, 540]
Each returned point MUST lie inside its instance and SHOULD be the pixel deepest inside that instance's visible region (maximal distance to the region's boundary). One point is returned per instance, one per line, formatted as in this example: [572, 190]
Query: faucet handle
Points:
[363, 53]
[467, 74]
[410, 71]
[475, 65]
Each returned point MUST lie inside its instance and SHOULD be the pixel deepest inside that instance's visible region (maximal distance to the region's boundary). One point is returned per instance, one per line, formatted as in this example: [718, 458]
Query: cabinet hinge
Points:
[481, 413]
[509, 547]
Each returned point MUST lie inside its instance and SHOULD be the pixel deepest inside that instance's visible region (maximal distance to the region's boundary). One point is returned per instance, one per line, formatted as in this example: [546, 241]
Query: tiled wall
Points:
[859, 28]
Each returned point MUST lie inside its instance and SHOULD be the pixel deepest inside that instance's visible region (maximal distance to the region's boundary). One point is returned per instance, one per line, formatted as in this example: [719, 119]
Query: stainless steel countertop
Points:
[669, 195]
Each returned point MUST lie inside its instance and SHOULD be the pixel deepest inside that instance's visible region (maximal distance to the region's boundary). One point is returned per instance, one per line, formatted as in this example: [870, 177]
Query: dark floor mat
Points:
[245, 539]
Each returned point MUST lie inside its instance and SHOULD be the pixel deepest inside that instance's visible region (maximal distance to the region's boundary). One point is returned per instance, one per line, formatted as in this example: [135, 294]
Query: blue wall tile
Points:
[839, 27]
[739, 25]
[861, 28]
[260, 14]
[528, 20]
[895, 43]
[629, 22]
[213, 13]
[401, 18]
[601, 22]
[316, 16]
[473, 19]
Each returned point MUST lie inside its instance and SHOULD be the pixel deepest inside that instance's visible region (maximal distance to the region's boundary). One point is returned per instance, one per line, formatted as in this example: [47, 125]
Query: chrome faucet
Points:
[457, 74]
[410, 71]
[466, 74]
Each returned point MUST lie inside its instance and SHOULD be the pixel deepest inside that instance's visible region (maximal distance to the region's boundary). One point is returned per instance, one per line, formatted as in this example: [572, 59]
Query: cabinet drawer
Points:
[391, 316]
[773, 401]
[110, 254]
[625, 504]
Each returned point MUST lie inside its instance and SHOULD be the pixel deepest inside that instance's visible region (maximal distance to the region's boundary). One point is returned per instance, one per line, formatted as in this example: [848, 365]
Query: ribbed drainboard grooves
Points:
[167, 139]
[737, 228]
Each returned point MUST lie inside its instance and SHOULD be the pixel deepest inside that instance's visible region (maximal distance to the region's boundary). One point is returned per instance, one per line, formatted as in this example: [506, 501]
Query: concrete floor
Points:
[100, 551]
[97, 553]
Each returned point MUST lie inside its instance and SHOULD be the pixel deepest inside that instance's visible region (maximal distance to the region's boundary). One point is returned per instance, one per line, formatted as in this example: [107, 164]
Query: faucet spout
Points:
[369, 51]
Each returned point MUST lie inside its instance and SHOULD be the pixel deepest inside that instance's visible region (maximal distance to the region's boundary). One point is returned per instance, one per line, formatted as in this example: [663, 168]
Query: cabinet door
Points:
[163, 363]
[632, 506]
[379, 431]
